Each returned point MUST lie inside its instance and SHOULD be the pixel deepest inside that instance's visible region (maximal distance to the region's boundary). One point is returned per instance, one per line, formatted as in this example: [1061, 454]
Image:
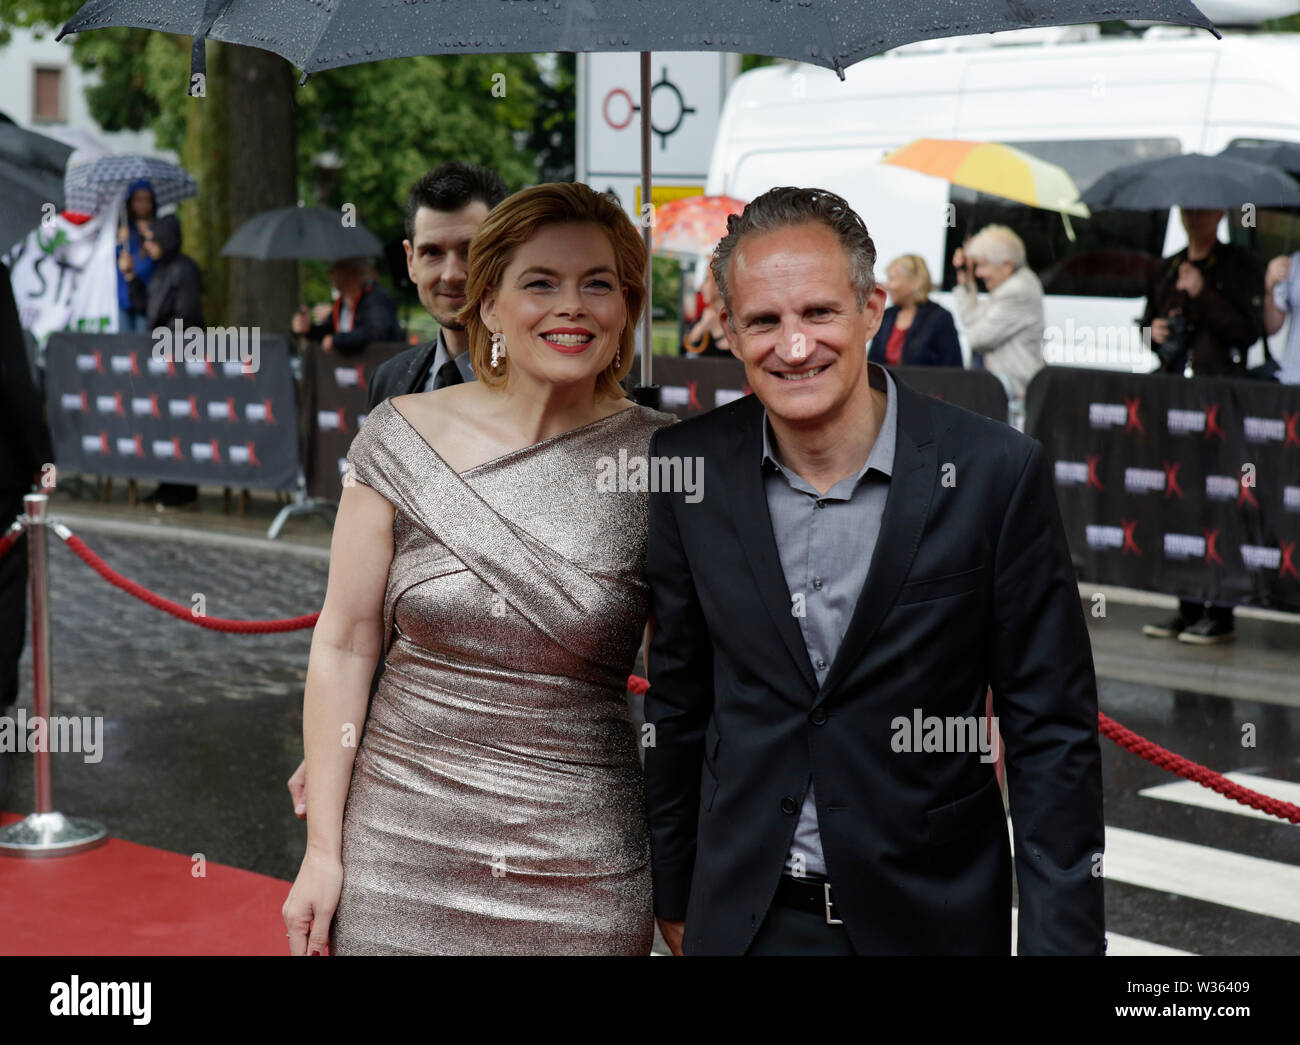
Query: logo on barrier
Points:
[1130, 542]
[1211, 551]
[73, 401]
[244, 453]
[259, 412]
[1107, 415]
[167, 449]
[127, 364]
[130, 446]
[1291, 498]
[1292, 436]
[90, 361]
[1184, 546]
[95, 444]
[1143, 480]
[1264, 429]
[145, 406]
[110, 404]
[1246, 498]
[1171, 480]
[671, 396]
[723, 396]
[1287, 550]
[1133, 405]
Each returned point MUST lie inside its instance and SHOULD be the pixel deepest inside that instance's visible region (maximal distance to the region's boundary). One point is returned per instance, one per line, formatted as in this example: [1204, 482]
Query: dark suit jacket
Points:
[24, 438]
[375, 320]
[931, 340]
[405, 373]
[971, 585]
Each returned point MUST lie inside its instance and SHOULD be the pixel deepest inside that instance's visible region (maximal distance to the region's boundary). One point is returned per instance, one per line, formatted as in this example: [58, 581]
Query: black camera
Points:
[1173, 353]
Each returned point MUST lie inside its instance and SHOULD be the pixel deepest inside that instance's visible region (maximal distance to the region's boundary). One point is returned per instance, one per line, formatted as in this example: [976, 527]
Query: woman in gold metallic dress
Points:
[494, 804]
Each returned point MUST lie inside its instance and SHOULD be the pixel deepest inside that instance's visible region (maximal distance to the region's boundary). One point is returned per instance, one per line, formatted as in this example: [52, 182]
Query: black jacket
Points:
[971, 586]
[1227, 316]
[375, 320]
[931, 340]
[24, 437]
[175, 289]
[405, 373]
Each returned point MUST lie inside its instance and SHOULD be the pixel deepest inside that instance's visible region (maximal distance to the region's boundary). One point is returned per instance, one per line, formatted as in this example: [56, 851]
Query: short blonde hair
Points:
[915, 268]
[996, 244]
[517, 220]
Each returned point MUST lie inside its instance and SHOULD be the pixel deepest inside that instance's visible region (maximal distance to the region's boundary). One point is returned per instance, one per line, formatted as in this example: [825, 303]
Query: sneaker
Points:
[1208, 632]
[1166, 629]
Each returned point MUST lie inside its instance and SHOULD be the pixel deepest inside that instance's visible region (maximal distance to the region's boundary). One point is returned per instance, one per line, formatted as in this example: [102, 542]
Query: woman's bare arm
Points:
[344, 651]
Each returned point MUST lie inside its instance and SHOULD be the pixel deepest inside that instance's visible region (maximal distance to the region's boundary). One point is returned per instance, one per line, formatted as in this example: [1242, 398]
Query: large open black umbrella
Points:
[831, 33]
[31, 176]
[1283, 155]
[291, 233]
[1195, 181]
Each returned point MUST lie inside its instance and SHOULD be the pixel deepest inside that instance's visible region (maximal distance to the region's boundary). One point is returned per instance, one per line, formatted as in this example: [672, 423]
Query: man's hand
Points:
[672, 934]
[1159, 330]
[125, 265]
[298, 790]
[328, 343]
[1278, 271]
[1190, 279]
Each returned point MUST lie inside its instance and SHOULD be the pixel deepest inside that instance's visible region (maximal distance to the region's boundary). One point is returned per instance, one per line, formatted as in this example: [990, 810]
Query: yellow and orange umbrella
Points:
[996, 169]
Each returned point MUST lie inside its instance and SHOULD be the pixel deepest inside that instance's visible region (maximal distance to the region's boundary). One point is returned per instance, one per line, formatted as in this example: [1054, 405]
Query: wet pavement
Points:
[202, 728]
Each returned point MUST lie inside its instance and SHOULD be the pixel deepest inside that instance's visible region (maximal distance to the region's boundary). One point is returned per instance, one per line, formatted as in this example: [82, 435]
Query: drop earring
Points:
[618, 356]
[498, 348]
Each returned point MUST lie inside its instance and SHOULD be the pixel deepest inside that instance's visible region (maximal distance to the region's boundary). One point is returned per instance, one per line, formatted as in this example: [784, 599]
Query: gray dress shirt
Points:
[440, 356]
[826, 542]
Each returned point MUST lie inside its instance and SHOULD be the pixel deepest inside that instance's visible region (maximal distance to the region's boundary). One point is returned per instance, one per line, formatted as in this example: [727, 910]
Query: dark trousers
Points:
[1191, 611]
[13, 601]
[786, 931]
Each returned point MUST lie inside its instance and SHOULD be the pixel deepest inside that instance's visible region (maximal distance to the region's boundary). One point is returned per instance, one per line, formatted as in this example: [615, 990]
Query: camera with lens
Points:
[1173, 353]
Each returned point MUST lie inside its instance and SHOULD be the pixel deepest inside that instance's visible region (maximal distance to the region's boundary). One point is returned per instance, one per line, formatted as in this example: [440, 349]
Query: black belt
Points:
[812, 895]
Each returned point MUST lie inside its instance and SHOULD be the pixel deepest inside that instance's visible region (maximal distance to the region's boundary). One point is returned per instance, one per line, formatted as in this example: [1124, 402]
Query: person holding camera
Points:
[1205, 304]
[1205, 309]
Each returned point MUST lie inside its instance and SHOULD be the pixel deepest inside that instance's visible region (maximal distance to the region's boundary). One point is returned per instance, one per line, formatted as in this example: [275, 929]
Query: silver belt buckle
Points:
[826, 887]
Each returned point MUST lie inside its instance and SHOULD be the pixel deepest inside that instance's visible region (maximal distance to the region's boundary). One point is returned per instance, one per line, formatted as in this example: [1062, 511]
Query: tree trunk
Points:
[206, 218]
[262, 166]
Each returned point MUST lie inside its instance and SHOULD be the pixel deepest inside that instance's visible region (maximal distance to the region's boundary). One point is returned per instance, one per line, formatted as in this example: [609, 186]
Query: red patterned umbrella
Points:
[691, 226]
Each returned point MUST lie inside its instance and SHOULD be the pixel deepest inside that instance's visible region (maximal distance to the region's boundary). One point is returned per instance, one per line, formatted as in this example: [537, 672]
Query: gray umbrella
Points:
[31, 176]
[833, 33]
[1192, 180]
[301, 232]
[1284, 155]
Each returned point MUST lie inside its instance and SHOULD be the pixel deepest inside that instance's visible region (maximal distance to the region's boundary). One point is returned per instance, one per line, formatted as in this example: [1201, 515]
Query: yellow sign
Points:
[661, 194]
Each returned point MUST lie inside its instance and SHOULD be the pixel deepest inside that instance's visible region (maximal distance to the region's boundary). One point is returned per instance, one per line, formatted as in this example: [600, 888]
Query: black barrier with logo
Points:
[693, 385]
[1189, 487]
[336, 390]
[118, 409]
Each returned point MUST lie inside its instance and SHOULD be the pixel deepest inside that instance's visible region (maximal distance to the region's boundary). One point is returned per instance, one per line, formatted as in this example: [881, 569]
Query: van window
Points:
[1268, 231]
[1114, 252]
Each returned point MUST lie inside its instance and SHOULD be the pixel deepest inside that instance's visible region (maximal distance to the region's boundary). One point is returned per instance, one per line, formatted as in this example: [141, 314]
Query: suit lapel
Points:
[747, 506]
[911, 488]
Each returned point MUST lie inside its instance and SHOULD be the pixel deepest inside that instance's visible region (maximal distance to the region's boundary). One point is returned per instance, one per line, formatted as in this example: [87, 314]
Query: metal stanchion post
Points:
[44, 832]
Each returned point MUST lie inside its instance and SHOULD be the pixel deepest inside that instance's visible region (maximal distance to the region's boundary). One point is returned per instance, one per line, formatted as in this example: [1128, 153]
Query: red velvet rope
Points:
[9, 540]
[1165, 759]
[1108, 727]
[175, 608]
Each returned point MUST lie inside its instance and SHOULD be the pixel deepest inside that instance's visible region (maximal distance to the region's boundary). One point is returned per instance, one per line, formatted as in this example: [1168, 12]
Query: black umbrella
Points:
[1193, 181]
[301, 232]
[833, 33]
[1284, 155]
[31, 176]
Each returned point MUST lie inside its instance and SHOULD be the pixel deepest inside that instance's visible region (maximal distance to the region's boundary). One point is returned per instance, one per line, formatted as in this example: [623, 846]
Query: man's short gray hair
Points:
[787, 206]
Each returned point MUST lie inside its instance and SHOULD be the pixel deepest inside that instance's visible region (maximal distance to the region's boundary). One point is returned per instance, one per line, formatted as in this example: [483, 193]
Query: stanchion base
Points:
[51, 834]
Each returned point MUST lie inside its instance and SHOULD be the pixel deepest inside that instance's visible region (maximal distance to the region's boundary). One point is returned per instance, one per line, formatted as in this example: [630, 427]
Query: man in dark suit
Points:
[864, 564]
[443, 211]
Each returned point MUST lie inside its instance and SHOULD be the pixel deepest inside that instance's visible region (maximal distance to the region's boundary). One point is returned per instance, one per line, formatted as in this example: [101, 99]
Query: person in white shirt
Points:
[1005, 327]
[1281, 298]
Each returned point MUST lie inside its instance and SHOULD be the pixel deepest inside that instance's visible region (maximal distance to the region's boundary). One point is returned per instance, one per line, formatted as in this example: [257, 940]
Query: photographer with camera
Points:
[1205, 309]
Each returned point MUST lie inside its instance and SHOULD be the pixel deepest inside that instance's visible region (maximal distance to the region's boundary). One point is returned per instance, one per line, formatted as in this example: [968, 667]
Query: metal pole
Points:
[647, 319]
[44, 832]
[35, 506]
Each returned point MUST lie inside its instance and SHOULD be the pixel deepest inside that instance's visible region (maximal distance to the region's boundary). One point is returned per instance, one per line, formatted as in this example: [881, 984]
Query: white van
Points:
[1071, 96]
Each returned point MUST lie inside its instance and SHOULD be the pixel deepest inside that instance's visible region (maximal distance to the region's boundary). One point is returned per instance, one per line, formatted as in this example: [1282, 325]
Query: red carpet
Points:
[123, 898]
